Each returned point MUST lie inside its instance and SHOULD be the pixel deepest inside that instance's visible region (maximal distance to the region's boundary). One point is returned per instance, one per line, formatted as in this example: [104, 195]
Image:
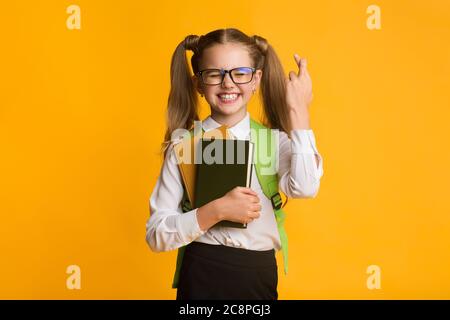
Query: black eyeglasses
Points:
[239, 75]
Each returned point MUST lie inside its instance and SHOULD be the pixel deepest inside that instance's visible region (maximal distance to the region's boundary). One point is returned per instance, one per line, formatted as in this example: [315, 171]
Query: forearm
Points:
[300, 120]
[298, 172]
[208, 215]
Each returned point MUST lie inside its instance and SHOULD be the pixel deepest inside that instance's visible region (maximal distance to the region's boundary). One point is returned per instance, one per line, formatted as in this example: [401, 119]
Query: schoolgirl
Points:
[222, 262]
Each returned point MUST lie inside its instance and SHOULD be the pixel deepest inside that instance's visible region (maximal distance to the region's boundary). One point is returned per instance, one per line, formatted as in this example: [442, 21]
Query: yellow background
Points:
[82, 119]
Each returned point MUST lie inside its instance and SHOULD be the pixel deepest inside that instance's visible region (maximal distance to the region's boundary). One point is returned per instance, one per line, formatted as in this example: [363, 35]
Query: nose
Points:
[227, 82]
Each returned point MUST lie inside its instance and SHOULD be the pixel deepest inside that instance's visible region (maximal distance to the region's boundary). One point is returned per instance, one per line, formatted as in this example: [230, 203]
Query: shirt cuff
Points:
[188, 226]
[303, 141]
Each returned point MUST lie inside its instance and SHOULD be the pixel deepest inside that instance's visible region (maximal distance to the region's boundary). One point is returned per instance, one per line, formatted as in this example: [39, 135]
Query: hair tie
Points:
[191, 43]
[261, 43]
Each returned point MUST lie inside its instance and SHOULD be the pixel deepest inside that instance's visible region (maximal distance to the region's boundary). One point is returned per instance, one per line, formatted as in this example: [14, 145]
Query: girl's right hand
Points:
[240, 204]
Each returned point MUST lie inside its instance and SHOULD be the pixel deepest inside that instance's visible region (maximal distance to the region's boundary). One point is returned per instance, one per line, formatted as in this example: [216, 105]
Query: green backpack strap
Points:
[269, 182]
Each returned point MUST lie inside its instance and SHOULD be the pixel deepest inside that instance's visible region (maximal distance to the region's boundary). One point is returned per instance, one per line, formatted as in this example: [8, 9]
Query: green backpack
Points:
[269, 185]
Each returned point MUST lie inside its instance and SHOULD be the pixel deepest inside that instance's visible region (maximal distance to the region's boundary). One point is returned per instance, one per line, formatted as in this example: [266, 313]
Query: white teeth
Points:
[228, 97]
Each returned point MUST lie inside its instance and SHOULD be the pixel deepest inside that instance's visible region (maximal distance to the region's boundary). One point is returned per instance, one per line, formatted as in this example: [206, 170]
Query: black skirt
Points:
[216, 272]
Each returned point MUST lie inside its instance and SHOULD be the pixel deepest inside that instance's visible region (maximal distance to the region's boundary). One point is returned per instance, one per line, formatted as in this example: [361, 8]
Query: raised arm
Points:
[298, 173]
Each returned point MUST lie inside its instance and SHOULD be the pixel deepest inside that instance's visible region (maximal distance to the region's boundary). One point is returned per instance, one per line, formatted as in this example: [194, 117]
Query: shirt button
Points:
[229, 241]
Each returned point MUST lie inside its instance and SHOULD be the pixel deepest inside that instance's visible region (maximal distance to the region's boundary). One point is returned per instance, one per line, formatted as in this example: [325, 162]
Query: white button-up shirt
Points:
[168, 228]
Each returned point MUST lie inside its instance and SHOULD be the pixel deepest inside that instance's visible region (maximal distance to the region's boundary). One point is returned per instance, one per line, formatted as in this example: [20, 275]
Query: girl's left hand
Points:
[299, 87]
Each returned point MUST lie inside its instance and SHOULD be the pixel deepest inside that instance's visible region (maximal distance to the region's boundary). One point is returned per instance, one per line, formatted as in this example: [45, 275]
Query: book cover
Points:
[225, 164]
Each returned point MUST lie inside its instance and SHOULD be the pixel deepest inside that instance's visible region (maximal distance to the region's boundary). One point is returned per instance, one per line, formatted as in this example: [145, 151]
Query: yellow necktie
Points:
[221, 132]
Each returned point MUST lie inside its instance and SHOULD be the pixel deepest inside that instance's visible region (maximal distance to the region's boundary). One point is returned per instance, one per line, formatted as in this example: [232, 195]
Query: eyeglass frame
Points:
[223, 73]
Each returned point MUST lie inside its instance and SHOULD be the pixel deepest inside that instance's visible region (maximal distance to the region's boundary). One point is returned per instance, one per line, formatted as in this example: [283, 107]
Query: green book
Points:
[224, 164]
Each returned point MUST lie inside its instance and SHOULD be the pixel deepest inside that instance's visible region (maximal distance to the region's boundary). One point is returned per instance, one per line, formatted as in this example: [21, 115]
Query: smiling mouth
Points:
[228, 98]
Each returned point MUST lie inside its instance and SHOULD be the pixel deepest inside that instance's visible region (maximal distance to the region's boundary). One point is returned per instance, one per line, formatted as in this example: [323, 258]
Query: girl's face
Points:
[227, 56]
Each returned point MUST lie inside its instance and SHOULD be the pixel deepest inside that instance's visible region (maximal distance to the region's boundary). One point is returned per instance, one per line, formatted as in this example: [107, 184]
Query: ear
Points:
[257, 78]
[197, 84]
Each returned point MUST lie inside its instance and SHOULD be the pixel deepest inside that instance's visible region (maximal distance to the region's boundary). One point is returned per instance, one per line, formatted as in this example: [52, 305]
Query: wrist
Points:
[208, 215]
[299, 118]
[216, 206]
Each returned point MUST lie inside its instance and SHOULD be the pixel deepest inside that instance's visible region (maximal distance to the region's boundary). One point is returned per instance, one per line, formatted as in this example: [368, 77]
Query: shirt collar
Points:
[240, 130]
